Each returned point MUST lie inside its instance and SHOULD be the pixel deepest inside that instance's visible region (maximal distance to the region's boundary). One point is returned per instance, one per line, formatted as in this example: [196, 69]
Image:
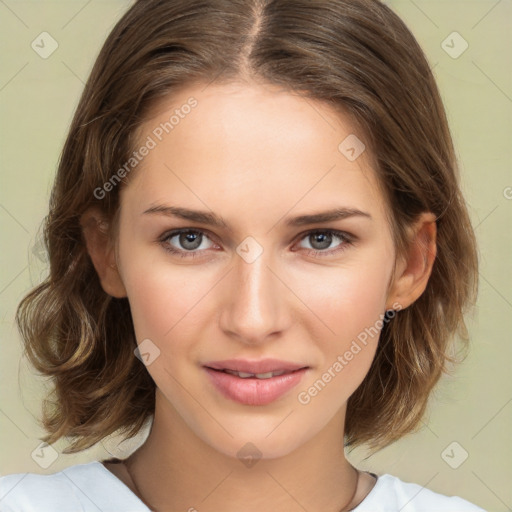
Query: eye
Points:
[321, 239]
[189, 240]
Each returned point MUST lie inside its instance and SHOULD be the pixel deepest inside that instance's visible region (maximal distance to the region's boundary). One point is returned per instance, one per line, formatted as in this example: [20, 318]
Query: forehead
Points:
[244, 147]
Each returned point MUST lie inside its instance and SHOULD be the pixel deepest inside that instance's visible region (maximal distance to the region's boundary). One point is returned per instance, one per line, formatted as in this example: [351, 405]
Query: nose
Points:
[257, 302]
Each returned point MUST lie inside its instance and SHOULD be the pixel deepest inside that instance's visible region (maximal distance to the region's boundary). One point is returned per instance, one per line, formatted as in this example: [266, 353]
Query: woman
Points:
[258, 242]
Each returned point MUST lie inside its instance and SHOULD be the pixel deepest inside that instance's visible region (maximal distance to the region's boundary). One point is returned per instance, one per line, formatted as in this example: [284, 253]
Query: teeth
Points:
[244, 375]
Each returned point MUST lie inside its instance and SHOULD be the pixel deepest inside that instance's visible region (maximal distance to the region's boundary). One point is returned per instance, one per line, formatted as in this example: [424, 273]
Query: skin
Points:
[255, 155]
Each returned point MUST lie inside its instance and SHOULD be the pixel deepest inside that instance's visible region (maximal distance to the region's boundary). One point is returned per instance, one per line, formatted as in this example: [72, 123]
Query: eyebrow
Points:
[212, 219]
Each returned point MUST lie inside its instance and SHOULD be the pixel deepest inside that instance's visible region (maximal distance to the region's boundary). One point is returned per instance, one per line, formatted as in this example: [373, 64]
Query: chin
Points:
[252, 448]
[262, 438]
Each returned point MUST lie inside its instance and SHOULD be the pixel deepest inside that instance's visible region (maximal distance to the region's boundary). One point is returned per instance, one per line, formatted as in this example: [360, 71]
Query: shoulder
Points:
[31, 492]
[83, 487]
[391, 494]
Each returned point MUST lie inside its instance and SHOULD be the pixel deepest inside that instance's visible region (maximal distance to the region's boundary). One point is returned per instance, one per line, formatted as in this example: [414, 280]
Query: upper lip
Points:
[258, 366]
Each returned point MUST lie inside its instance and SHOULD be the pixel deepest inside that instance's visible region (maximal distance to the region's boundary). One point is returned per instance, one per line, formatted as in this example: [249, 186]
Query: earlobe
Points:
[102, 252]
[415, 269]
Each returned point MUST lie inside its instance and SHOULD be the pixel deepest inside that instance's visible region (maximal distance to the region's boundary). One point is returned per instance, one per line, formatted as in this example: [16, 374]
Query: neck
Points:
[177, 470]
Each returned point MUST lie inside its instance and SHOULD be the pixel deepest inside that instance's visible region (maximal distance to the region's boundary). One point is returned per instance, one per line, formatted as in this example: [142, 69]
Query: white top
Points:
[92, 487]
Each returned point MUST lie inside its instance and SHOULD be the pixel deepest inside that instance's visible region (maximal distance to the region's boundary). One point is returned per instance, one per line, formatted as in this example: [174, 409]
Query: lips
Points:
[254, 382]
[261, 366]
[247, 375]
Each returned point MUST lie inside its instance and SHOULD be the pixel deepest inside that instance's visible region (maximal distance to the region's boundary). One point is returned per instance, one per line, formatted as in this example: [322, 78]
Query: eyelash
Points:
[346, 238]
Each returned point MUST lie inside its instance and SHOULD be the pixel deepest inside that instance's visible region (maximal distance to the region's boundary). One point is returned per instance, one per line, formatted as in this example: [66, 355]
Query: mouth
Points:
[248, 375]
[260, 367]
[254, 383]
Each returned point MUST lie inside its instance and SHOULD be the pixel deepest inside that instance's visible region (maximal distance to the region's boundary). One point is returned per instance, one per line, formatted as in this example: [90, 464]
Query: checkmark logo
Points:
[455, 45]
[454, 455]
[249, 455]
[352, 147]
[44, 45]
[351, 152]
[44, 455]
[147, 351]
[249, 249]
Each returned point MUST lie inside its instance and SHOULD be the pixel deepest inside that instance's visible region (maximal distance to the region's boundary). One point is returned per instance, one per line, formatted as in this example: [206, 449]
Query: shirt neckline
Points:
[366, 500]
[371, 496]
[120, 483]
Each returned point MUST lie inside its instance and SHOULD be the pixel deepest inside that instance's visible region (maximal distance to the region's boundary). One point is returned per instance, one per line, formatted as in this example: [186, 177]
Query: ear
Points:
[413, 271]
[102, 251]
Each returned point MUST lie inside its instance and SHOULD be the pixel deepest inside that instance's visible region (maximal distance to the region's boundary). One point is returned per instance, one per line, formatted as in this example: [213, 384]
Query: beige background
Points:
[473, 409]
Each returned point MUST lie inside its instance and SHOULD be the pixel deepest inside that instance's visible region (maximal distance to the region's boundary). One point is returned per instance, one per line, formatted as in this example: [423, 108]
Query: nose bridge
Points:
[255, 307]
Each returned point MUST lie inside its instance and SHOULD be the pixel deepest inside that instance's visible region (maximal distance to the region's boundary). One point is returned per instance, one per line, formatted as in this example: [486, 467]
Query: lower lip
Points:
[254, 391]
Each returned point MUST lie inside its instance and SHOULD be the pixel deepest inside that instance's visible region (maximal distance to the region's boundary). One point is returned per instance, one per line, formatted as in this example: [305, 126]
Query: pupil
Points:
[190, 240]
[324, 239]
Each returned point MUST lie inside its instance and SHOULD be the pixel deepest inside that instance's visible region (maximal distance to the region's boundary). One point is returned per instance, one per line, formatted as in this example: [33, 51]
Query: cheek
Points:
[161, 293]
[162, 299]
[345, 363]
[344, 299]
[349, 304]
[166, 308]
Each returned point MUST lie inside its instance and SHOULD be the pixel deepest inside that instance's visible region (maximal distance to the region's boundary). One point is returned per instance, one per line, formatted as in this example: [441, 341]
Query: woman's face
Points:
[253, 287]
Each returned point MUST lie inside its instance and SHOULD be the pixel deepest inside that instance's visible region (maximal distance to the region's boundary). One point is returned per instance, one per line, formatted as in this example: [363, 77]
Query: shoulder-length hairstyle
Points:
[356, 55]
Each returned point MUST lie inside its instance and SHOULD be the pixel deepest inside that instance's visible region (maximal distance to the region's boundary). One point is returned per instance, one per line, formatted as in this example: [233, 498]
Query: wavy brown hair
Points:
[356, 55]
